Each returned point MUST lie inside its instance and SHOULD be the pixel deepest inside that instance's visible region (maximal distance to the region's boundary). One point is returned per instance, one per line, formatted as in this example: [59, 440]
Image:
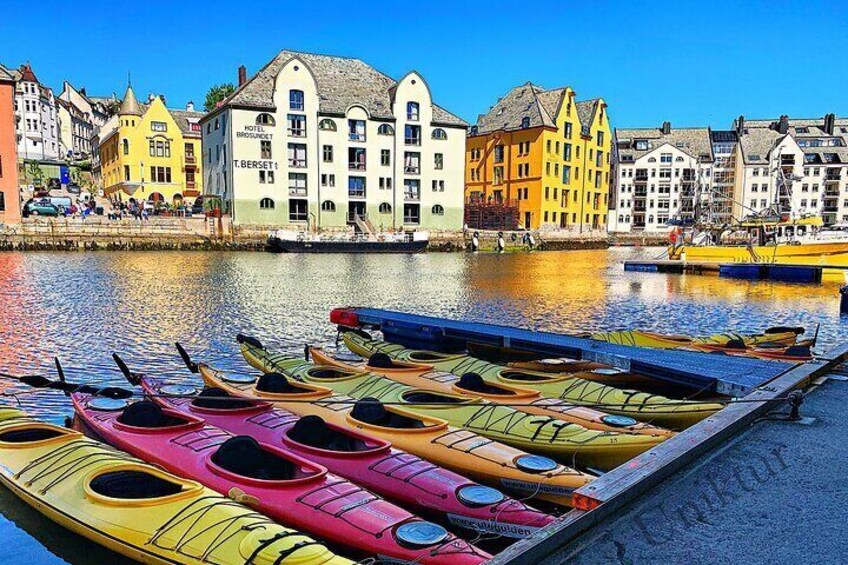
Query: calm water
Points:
[82, 307]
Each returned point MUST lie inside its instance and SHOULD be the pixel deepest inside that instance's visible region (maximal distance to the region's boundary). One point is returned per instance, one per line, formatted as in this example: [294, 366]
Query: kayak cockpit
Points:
[35, 433]
[472, 382]
[135, 484]
[372, 412]
[329, 373]
[528, 376]
[418, 396]
[147, 415]
[218, 399]
[245, 457]
[312, 431]
[381, 361]
[422, 356]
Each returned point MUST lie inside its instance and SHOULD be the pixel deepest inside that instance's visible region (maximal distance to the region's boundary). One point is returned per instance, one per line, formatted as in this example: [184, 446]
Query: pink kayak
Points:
[365, 460]
[285, 487]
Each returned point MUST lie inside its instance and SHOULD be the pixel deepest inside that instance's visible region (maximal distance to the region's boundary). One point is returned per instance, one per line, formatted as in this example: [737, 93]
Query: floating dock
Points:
[724, 374]
[811, 274]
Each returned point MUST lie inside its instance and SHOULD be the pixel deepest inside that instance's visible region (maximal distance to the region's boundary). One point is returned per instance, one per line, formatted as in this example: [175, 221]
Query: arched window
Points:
[328, 206]
[327, 125]
[651, 219]
[412, 111]
[620, 218]
[126, 144]
[525, 122]
[652, 160]
[438, 210]
[266, 204]
[295, 100]
[385, 129]
[679, 159]
[385, 208]
[627, 218]
[473, 130]
[439, 133]
[265, 120]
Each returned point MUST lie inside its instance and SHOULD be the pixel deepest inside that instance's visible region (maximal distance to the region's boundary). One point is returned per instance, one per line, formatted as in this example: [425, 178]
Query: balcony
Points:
[356, 192]
[297, 132]
[416, 141]
[640, 178]
[831, 208]
[355, 166]
[412, 195]
[640, 192]
[412, 169]
[353, 136]
[834, 192]
[190, 161]
[833, 175]
[297, 163]
[190, 185]
[297, 191]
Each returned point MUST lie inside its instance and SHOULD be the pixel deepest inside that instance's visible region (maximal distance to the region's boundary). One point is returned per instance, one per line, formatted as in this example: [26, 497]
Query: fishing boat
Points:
[136, 509]
[278, 483]
[289, 241]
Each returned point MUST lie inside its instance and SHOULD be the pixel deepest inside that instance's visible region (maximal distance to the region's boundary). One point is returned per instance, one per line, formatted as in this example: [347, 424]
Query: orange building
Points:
[546, 153]
[10, 200]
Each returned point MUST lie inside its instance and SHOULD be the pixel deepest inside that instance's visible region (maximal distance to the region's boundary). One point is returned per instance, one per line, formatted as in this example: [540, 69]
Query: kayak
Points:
[365, 460]
[285, 487]
[653, 408]
[799, 352]
[135, 509]
[641, 338]
[464, 452]
[424, 376]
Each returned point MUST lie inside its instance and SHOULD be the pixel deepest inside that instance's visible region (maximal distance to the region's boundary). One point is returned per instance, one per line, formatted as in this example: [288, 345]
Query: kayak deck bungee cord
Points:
[777, 336]
[564, 441]
[467, 453]
[652, 408]
[366, 460]
[526, 399]
[293, 491]
[138, 510]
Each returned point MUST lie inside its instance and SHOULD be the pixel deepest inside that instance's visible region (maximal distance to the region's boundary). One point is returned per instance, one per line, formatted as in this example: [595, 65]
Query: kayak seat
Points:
[314, 432]
[29, 435]
[275, 383]
[426, 356]
[133, 485]
[382, 361]
[244, 456]
[147, 414]
[328, 374]
[212, 398]
[474, 383]
[424, 397]
[735, 344]
[519, 376]
[371, 411]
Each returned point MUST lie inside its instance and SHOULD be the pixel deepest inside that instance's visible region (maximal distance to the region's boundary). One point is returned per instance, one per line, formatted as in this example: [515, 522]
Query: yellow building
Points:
[150, 152]
[546, 153]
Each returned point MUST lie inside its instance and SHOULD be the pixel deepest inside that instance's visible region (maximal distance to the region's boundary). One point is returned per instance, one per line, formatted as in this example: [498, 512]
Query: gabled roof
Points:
[586, 110]
[184, 119]
[525, 101]
[696, 142]
[342, 82]
[6, 74]
[27, 75]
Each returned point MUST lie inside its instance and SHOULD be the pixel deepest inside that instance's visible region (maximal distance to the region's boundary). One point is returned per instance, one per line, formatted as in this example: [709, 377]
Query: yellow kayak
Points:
[653, 408]
[641, 338]
[462, 451]
[136, 509]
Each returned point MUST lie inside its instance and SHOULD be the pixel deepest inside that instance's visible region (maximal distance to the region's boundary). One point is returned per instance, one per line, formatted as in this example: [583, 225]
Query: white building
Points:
[314, 141]
[797, 165]
[37, 117]
[80, 120]
[660, 174]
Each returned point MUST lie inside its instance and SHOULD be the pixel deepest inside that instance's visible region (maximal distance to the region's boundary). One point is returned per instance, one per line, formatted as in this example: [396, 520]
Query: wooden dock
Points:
[811, 274]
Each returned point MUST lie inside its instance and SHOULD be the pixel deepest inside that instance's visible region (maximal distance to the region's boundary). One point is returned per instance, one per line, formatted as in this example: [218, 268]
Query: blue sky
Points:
[698, 63]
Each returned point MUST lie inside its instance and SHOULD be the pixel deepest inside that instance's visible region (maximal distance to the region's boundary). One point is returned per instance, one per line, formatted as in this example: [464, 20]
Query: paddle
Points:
[191, 365]
[132, 378]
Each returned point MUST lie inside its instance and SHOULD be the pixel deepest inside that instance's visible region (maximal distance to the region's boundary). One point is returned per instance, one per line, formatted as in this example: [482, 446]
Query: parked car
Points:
[41, 207]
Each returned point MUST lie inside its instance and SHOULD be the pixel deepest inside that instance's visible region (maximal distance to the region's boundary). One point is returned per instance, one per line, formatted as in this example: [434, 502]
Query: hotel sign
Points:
[254, 132]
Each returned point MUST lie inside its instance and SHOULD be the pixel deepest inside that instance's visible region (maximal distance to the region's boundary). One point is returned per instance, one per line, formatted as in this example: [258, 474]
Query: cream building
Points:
[661, 174]
[315, 141]
[37, 117]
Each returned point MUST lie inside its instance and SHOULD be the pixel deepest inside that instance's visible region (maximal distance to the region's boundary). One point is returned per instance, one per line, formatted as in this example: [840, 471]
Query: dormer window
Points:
[641, 145]
[412, 111]
[296, 100]
[385, 129]
[474, 130]
[525, 122]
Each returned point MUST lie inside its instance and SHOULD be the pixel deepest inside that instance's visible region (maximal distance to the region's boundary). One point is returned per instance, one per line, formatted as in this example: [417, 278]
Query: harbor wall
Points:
[99, 233]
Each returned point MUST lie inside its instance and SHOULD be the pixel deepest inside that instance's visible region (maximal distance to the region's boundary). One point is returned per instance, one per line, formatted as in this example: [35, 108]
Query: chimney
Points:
[829, 123]
[740, 125]
[783, 124]
[666, 128]
[190, 106]
[150, 98]
[242, 75]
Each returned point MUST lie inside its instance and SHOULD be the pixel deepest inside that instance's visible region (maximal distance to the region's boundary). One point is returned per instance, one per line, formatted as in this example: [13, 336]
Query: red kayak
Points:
[367, 461]
[285, 487]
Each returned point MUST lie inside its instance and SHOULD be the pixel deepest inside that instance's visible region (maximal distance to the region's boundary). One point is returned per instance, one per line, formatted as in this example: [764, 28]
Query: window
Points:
[327, 125]
[356, 158]
[2, 201]
[412, 112]
[385, 129]
[296, 100]
[356, 187]
[439, 133]
[412, 162]
[126, 145]
[162, 126]
[160, 174]
[266, 204]
[328, 206]
[600, 138]
[297, 184]
[126, 173]
[297, 155]
[438, 186]
[297, 210]
[438, 210]
[412, 214]
[328, 180]
[475, 130]
[297, 125]
[386, 183]
[265, 120]
[412, 135]
[356, 130]
[439, 161]
[265, 149]
[567, 132]
[412, 189]
[328, 153]
[266, 177]
[385, 157]
[525, 122]
[385, 208]
[665, 157]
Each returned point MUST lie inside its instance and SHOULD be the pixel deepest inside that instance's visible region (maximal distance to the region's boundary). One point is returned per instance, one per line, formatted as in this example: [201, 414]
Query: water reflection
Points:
[82, 307]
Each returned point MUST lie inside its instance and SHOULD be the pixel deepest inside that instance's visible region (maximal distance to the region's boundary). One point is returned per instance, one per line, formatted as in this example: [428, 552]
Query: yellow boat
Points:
[136, 509]
[465, 452]
[642, 338]
[531, 401]
[653, 408]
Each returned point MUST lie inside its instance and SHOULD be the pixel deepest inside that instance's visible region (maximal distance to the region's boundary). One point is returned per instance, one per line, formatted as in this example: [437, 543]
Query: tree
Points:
[216, 94]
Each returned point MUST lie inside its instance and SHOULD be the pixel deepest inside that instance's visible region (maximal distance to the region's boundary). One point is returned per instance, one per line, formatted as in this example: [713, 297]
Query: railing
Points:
[190, 159]
[354, 166]
[832, 176]
[297, 163]
[356, 136]
[190, 184]
[640, 179]
[356, 192]
[412, 140]
[297, 132]
[411, 169]
[297, 191]
[413, 195]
